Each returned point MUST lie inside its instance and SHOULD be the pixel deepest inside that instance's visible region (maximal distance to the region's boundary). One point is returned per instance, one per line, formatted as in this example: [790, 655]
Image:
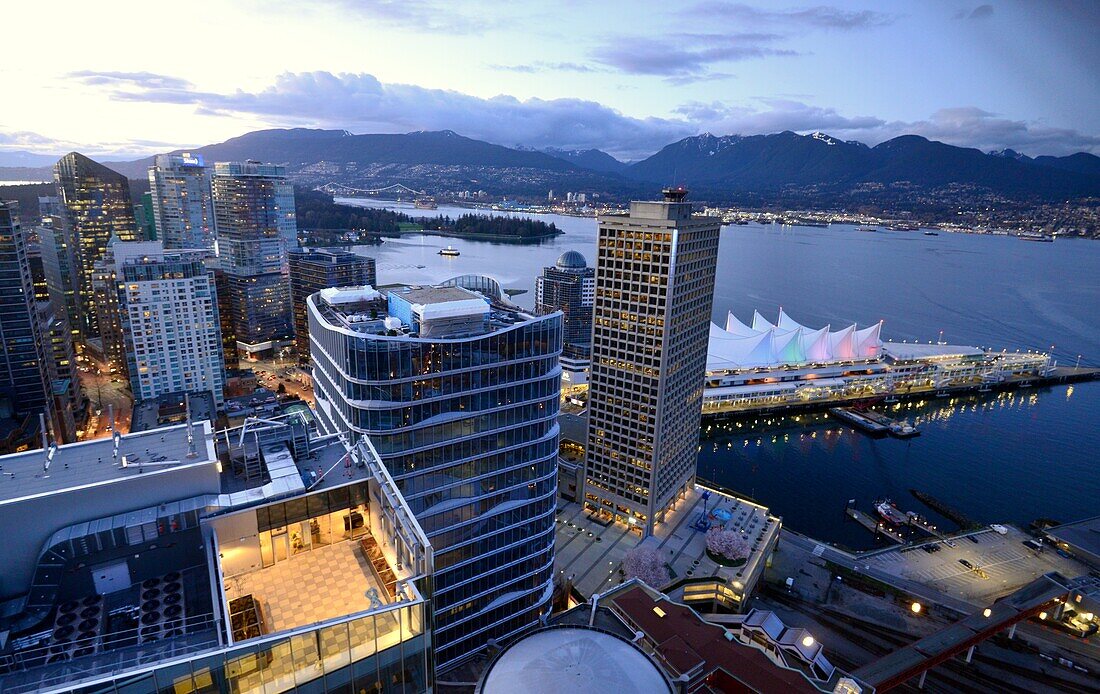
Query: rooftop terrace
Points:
[445, 310]
[592, 554]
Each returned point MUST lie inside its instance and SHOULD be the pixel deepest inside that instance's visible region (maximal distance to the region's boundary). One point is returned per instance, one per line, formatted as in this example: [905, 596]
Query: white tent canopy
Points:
[787, 342]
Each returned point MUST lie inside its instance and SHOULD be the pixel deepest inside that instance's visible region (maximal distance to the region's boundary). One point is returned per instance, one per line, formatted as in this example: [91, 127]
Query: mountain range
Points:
[714, 167]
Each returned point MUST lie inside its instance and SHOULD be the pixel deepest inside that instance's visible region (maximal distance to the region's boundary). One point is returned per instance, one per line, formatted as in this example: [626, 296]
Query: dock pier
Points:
[873, 525]
[1058, 376]
[860, 421]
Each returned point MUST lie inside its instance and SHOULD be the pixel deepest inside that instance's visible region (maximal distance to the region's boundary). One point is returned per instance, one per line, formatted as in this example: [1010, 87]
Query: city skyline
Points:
[593, 76]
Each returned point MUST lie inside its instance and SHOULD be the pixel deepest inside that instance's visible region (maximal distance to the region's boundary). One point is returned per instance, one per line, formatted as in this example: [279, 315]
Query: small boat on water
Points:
[930, 232]
[866, 228]
[903, 429]
[449, 251]
[890, 513]
[1035, 236]
[424, 204]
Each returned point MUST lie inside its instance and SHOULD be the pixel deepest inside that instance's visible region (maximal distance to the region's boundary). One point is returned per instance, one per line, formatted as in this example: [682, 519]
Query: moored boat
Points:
[889, 512]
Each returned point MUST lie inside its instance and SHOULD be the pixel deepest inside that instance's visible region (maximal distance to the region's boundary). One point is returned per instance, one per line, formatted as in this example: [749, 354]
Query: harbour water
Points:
[1010, 457]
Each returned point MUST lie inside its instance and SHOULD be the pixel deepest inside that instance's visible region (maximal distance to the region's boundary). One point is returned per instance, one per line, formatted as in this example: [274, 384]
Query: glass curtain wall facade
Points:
[255, 221]
[23, 378]
[182, 202]
[96, 206]
[654, 287]
[314, 269]
[467, 428]
[569, 287]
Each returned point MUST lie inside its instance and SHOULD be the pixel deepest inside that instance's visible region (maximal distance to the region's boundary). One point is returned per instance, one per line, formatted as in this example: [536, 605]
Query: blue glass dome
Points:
[571, 260]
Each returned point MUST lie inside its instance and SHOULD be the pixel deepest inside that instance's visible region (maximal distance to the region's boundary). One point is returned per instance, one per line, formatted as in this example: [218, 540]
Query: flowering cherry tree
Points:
[645, 563]
[727, 543]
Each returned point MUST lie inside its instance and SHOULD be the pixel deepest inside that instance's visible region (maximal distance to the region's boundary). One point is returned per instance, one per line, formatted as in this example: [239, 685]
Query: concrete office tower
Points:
[254, 213]
[24, 382]
[654, 287]
[96, 206]
[182, 202]
[314, 269]
[460, 399]
[167, 312]
[570, 287]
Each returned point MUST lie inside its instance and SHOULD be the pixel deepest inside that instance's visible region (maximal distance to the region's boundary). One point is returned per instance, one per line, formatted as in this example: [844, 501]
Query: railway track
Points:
[951, 676]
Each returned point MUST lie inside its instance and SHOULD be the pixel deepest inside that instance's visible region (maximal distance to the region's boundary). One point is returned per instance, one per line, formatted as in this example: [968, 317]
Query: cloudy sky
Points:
[126, 78]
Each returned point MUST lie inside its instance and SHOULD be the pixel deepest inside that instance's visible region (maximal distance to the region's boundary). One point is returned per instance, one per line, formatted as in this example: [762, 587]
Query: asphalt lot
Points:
[1004, 560]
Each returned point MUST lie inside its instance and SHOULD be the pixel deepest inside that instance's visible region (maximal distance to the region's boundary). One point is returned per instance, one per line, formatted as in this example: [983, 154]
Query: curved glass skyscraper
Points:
[460, 398]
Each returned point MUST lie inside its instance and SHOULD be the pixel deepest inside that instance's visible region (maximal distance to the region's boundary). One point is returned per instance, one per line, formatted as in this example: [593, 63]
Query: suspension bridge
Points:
[333, 188]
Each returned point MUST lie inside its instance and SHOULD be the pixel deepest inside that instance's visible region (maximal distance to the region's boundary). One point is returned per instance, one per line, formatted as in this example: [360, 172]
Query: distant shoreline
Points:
[509, 238]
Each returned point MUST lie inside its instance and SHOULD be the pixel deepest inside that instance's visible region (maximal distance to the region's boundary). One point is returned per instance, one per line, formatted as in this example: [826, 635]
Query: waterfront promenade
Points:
[867, 393]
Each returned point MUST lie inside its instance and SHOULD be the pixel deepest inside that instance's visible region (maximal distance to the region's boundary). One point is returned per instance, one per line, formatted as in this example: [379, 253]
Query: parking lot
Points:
[998, 565]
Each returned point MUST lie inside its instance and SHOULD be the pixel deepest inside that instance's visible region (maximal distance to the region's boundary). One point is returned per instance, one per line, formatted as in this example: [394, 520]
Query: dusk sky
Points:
[130, 78]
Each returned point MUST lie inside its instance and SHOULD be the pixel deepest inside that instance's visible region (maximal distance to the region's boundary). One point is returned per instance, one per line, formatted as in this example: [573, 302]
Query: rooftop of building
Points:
[1082, 535]
[325, 255]
[591, 554]
[409, 309]
[429, 295]
[572, 658]
[179, 594]
[571, 260]
[171, 408]
[103, 461]
[910, 351]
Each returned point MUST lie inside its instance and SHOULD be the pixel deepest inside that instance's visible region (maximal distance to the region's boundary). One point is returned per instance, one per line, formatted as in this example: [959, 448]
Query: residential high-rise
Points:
[460, 398]
[24, 382]
[164, 309]
[314, 269]
[182, 202]
[96, 206]
[654, 287]
[570, 287]
[254, 213]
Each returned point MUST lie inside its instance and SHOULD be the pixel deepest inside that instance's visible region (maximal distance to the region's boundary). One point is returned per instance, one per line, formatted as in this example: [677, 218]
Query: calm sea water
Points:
[1013, 457]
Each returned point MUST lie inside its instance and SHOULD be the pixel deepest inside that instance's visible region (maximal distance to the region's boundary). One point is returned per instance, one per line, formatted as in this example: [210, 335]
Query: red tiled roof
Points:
[684, 640]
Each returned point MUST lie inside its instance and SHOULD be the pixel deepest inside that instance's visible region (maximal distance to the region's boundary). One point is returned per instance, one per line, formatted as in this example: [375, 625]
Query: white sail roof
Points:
[759, 322]
[787, 342]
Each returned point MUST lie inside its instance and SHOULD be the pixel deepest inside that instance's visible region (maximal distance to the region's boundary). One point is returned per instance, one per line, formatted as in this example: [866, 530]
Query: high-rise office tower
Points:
[57, 266]
[146, 219]
[254, 213]
[570, 287]
[182, 202]
[165, 310]
[654, 287]
[225, 311]
[24, 382]
[57, 341]
[460, 399]
[314, 269]
[96, 206]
